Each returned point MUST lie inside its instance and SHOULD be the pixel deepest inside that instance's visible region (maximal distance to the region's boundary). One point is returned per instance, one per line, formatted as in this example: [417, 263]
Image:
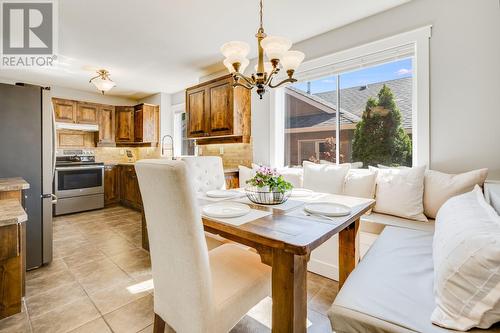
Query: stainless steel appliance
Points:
[27, 139]
[78, 182]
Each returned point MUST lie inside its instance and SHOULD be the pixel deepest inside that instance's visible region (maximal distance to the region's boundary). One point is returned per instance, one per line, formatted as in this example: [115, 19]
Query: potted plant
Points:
[268, 187]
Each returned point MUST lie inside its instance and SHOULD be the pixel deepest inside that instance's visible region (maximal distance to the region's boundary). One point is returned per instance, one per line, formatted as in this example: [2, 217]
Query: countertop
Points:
[13, 184]
[226, 170]
[119, 163]
[11, 212]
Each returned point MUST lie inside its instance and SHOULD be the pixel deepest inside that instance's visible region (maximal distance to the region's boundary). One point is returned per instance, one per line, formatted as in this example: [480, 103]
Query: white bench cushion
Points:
[391, 290]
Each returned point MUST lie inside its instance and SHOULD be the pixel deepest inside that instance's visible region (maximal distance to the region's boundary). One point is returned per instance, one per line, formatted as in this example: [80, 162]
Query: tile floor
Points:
[100, 281]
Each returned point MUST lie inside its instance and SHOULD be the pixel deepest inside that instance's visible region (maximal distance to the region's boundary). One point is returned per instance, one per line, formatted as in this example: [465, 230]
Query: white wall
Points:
[178, 97]
[261, 129]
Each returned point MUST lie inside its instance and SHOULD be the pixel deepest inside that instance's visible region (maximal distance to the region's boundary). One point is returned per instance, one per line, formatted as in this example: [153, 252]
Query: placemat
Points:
[253, 215]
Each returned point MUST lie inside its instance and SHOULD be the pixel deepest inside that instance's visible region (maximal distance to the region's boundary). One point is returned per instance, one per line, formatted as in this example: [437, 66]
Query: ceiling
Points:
[152, 46]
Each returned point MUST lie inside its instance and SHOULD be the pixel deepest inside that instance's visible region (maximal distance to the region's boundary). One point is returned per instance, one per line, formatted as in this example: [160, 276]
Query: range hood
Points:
[77, 127]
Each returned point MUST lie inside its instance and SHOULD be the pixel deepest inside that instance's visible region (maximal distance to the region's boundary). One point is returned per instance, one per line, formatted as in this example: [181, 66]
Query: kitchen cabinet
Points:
[217, 112]
[195, 103]
[75, 139]
[124, 118]
[64, 110]
[87, 113]
[111, 184]
[146, 123]
[130, 194]
[106, 134]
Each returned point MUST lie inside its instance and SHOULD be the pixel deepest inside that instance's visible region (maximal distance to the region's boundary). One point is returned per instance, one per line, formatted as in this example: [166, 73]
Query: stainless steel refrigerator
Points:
[27, 137]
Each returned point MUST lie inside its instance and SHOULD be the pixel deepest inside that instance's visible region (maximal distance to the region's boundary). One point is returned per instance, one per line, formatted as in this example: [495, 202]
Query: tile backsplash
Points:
[119, 154]
[233, 154]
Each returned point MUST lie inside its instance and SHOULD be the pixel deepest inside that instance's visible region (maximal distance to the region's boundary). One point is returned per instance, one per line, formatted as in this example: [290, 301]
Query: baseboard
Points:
[323, 268]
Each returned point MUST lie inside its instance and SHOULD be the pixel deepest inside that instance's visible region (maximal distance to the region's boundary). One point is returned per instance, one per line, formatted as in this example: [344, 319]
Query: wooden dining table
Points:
[285, 240]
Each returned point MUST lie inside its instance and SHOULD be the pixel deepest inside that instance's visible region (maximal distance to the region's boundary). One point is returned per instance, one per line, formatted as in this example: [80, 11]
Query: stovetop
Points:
[69, 163]
[75, 158]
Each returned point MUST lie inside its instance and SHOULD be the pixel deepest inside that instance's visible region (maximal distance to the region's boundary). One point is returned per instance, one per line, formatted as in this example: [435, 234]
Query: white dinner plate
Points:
[226, 210]
[301, 192]
[220, 194]
[327, 209]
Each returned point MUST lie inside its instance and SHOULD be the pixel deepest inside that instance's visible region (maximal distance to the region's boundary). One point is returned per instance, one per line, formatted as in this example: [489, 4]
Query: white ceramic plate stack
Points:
[330, 209]
[226, 210]
[221, 194]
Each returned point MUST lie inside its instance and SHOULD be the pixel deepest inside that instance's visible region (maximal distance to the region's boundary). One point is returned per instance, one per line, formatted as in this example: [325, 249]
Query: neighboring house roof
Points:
[353, 103]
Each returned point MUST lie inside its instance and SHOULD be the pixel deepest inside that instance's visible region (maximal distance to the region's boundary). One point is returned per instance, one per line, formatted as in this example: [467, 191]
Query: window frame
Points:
[419, 38]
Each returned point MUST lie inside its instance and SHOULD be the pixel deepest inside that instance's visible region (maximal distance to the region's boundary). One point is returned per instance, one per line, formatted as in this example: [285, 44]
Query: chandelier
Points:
[277, 51]
[102, 81]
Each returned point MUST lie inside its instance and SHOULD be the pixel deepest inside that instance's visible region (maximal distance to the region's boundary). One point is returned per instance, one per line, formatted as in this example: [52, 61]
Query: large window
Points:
[361, 115]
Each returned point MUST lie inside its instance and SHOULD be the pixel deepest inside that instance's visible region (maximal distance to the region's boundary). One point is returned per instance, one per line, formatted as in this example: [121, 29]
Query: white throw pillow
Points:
[326, 178]
[292, 175]
[360, 183]
[400, 192]
[466, 254]
[244, 175]
[439, 187]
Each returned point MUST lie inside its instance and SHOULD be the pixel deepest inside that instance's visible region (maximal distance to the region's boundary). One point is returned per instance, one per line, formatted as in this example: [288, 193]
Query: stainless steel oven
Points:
[78, 182]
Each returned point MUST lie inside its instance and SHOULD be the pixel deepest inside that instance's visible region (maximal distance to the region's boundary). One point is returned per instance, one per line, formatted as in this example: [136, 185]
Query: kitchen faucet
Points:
[172, 143]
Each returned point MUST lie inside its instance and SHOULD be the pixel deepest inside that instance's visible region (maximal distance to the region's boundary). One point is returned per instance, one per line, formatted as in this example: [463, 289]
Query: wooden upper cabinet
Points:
[221, 109]
[196, 105]
[146, 122]
[124, 119]
[216, 111]
[106, 122]
[87, 113]
[64, 110]
[121, 125]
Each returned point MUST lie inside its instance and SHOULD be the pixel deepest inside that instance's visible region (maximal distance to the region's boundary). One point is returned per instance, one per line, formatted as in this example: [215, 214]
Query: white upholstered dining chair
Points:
[194, 290]
[207, 173]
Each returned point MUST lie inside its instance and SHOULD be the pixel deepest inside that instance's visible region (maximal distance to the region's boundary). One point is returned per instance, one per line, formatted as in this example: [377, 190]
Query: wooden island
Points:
[12, 245]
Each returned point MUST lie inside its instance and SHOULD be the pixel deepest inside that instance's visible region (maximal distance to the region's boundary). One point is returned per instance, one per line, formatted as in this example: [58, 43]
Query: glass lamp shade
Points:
[291, 60]
[268, 67]
[235, 48]
[275, 46]
[103, 84]
[229, 65]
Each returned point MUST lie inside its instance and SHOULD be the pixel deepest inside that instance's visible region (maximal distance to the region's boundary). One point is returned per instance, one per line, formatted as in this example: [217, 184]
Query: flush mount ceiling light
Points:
[277, 51]
[102, 81]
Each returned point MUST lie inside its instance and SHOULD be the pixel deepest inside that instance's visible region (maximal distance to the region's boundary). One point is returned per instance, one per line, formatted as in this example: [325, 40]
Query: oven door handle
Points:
[83, 167]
